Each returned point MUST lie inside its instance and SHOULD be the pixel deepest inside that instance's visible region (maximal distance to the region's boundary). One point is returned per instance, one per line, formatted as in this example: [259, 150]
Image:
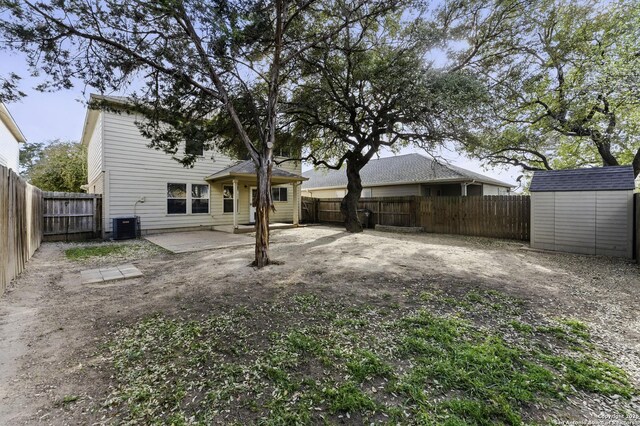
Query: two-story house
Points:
[135, 180]
[10, 139]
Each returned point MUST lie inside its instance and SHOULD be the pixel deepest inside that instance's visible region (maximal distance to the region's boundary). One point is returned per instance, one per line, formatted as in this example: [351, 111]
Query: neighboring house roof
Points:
[9, 122]
[247, 168]
[398, 170]
[612, 178]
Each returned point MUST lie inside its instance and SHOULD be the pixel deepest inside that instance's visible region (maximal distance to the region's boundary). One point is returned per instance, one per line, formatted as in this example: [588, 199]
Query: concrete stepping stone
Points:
[92, 276]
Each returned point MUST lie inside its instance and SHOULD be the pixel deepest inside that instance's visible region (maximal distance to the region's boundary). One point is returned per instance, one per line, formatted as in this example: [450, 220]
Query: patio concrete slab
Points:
[92, 276]
[184, 242]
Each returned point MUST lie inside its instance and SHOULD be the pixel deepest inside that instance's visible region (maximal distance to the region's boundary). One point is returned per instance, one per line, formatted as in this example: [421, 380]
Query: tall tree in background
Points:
[30, 152]
[373, 88]
[182, 62]
[564, 78]
[56, 166]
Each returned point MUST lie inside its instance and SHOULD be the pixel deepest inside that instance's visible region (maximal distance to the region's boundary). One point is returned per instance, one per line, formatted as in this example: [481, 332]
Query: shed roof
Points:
[400, 169]
[612, 178]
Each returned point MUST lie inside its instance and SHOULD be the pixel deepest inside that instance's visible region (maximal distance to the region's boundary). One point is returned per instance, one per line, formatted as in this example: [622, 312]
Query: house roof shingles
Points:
[401, 169]
[612, 178]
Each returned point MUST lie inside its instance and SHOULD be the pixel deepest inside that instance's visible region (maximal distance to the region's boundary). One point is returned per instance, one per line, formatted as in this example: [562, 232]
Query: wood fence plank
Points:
[20, 224]
[497, 216]
[67, 214]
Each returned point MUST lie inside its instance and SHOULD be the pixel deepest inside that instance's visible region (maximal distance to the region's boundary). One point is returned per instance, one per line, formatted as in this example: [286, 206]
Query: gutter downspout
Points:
[464, 187]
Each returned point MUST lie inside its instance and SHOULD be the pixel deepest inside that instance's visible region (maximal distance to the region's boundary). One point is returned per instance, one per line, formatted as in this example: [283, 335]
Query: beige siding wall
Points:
[133, 171]
[543, 220]
[283, 213]
[614, 225]
[395, 190]
[494, 190]
[324, 193]
[97, 185]
[217, 212]
[284, 209]
[376, 191]
[94, 155]
[587, 222]
[9, 149]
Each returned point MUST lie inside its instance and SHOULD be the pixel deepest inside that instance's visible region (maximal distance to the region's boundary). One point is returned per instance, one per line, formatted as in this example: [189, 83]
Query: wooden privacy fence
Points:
[497, 216]
[486, 216]
[395, 211]
[21, 207]
[72, 216]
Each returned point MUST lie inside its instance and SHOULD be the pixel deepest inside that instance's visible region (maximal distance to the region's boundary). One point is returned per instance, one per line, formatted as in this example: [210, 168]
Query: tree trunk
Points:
[603, 145]
[263, 207]
[349, 204]
[636, 163]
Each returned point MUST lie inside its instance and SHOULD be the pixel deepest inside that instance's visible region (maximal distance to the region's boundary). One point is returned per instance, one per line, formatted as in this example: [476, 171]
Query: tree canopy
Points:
[563, 78]
[373, 88]
[56, 166]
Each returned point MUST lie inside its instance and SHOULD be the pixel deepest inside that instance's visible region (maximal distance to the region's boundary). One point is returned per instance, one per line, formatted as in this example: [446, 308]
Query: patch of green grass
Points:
[456, 302]
[577, 327]
[306, 301]
[572, 332]
[134, 250]
[300, 340]
[79, 253]
[474, 297]
[348, 398]
[67, 399]
[521, 327]
[365, 364]
[464, 412]
[304, 360]
[592, 375]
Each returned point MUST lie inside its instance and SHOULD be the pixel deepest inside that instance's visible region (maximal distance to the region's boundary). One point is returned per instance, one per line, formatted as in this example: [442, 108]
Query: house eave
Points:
[90, 120]
[10, 123]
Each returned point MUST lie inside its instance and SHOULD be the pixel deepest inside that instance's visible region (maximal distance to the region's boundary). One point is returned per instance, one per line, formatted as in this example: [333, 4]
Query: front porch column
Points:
[235, 204]
[296, 206]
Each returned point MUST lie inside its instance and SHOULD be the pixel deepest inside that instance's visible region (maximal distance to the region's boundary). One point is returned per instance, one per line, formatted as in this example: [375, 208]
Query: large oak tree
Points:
[375, 87]
[564, 77]
[182, 62]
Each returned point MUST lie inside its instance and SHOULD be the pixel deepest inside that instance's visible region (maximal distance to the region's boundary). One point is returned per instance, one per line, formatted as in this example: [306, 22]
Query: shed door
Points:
[575, 221]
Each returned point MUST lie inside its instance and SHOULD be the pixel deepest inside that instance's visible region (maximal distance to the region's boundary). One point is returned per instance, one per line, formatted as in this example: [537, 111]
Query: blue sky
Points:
[60, 115]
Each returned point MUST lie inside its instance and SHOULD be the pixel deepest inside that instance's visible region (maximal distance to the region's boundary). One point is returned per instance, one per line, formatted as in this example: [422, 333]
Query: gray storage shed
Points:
[587, 211]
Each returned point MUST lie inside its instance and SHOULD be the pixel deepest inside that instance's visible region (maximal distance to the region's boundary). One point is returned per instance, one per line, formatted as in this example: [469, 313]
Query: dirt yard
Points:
[56, 366]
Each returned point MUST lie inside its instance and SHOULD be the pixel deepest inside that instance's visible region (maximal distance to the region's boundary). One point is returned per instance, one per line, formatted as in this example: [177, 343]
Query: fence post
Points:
[95, 216]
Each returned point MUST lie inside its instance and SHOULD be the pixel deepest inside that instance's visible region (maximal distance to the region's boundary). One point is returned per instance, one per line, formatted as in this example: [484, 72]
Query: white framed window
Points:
[279, 194]
[199, 199]
[176, 198]
[187, 198]
[227, 198]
